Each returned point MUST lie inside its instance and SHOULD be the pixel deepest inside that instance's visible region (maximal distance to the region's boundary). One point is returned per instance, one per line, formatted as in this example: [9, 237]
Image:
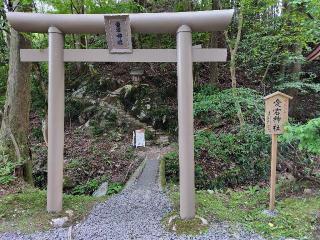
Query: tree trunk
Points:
[214, 38]
[233, 48]
[80, 41]
[295, 71]
[15, 123]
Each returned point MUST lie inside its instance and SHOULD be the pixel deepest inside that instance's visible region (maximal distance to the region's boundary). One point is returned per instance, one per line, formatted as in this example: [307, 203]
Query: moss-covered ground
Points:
[298, 216]
[188, 227]
[26, 211]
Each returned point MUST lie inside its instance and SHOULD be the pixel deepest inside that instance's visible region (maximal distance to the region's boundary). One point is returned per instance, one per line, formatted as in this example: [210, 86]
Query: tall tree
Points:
[80, 42]
[15, 123]
[214, 38]
[233, 46]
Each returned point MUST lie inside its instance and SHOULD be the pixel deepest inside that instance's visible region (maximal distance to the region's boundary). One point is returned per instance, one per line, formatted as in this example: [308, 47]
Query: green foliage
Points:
[218, 108]
[4, 55]
[91, 6]
[38, 93]
[3, 81]
[95, 128]
[149, 135]
[37, 133]
[115, 188]
[93, 184]
[73, 108]
[226, 159]
[6, 173]
[171, 162]
[2, 101]
[76, 163]
[303, 87]
[269, 44]
[88, 187]
[6, 167]
[237, 158]
[308, 135]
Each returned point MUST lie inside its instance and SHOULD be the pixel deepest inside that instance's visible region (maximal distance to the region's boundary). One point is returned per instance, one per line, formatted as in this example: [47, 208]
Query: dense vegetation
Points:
[267, 42]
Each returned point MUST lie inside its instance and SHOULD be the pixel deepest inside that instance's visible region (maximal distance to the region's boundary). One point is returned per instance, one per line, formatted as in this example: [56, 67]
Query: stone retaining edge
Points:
[135, 175]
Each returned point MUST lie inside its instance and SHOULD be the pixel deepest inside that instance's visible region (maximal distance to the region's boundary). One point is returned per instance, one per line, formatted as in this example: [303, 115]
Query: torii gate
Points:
[182, 23]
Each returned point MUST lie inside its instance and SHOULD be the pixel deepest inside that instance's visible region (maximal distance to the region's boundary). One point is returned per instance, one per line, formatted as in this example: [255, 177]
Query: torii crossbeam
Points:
[182, 23]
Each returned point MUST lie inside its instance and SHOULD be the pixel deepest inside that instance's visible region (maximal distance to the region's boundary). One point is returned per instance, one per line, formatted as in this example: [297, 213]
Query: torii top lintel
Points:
[201, 21]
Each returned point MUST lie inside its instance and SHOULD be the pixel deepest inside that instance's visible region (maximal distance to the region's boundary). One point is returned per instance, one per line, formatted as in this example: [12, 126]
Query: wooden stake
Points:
[273, 177]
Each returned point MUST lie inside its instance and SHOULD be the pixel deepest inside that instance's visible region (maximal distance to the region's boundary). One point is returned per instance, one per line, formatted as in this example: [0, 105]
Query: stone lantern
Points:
[136, 75]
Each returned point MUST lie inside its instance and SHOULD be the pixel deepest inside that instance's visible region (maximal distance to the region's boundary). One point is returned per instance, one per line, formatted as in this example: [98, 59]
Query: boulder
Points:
[101, 191]
[163, 140]
[87, 114]
[59, 222]
[210, 191]
[79, 93]
[307, 191]
[70, 213]
[142, 115]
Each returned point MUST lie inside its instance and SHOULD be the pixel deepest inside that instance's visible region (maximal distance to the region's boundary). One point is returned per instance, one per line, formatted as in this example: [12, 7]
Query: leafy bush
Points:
[73, 108]
[38, 98]
[89, 187]
[6, 173]
[3, 81]
[2, 101]
[6, 167]
[308, 135]
[226, 159]
[218, 108]
[114, 188]
[172, 167]
[37, 133]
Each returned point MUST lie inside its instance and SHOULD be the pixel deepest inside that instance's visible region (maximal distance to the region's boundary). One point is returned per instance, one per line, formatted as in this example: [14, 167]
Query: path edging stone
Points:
[135, 175]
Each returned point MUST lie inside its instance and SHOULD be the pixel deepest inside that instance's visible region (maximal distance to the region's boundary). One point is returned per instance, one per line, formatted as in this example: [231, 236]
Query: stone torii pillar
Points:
[181, 23]
[55, 119]
[185, 122]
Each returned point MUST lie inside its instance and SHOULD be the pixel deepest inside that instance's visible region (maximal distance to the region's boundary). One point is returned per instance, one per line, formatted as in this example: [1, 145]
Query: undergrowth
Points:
[298, 217]
[26, 211]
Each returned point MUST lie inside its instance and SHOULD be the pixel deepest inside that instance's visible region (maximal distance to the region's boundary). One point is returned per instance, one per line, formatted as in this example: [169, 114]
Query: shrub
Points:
[307, 135]
[91, 185]
[114, 188]
[226, 159]
[218, 108]
[38, 98]
[6, 167]
[88, 187]
[73, 108]
[171, 166]
[6, 173]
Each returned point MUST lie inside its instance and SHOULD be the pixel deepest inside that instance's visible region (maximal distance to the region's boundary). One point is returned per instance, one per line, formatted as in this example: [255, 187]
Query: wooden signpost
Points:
[276, 116]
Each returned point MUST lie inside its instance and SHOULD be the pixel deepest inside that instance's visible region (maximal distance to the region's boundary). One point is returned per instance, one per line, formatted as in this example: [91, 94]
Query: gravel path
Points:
[135, 213]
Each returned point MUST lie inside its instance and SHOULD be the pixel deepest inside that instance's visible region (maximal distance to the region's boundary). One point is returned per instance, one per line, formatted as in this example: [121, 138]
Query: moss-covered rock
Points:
[146, 104]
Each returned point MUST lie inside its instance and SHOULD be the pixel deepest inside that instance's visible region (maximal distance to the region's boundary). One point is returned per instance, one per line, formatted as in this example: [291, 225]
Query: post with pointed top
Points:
[55, 120]
[276, 116]
[185, 121]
